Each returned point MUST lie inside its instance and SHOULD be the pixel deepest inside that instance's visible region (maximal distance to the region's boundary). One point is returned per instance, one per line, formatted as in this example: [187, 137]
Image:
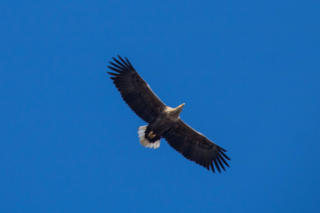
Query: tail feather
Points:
[144, 141]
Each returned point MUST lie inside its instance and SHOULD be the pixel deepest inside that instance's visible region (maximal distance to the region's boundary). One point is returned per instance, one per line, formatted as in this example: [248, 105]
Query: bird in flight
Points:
[164, 121]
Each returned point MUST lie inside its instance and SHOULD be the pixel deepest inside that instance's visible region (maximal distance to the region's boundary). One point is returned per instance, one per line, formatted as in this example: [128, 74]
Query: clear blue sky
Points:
[248, 71]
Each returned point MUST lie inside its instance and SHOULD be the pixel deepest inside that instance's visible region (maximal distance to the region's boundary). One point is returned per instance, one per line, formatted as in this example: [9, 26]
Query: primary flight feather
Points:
[164, 121]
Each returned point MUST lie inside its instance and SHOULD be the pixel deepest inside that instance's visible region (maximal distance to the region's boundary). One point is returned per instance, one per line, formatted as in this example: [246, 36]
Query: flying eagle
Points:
[163, 121]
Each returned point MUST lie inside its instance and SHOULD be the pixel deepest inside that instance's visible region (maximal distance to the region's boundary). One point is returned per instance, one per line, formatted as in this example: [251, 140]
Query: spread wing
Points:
[196, 147]
[134, 90]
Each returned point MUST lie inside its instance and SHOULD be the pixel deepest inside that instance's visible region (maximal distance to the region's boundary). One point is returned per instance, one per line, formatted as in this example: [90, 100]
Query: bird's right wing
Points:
[134, 90]
[196, 147]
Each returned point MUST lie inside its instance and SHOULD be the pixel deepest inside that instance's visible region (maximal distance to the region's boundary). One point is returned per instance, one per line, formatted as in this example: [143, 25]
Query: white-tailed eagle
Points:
[164, 121]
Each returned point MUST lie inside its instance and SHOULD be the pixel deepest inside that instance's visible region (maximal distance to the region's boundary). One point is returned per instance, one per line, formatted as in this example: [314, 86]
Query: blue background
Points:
[248, 71]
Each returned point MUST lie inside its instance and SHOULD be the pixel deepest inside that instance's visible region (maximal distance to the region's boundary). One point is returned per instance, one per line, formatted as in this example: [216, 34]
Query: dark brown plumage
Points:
[164, 121]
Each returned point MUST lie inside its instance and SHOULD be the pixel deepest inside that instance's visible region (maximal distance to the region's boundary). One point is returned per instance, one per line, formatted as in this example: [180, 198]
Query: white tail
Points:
[144, 141]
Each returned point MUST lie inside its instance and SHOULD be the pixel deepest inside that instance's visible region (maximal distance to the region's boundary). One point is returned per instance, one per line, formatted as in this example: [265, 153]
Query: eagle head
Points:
[175, 112]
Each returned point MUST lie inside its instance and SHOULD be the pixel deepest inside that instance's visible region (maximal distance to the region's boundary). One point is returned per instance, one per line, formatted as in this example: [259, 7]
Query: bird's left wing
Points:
[134, 90]
[196, 147]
